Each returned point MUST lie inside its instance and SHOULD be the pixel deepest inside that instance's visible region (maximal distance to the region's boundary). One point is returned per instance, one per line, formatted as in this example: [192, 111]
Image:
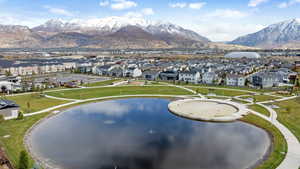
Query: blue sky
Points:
[215, 19]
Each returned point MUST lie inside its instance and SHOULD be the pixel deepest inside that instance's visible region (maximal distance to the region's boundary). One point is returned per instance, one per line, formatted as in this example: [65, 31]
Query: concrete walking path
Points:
[292, 159]
[101, 98]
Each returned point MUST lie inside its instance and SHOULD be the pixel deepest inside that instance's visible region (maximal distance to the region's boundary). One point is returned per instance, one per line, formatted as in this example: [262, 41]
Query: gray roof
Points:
[250, 55]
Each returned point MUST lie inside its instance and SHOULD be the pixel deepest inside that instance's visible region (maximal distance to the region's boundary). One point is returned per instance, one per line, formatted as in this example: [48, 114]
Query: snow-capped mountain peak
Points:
[274, 35]
[114, 23]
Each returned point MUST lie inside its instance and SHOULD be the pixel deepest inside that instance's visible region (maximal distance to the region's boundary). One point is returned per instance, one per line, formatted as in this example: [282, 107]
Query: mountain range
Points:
[285, 34]
[111, 32]
[124, 32]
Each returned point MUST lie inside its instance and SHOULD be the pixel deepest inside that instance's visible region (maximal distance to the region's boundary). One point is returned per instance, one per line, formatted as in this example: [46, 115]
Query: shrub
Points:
[20, 115]
[23, 162]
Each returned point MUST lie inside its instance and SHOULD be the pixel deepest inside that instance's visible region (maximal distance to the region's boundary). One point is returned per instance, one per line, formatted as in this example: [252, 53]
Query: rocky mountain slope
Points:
[280, 35]
[111, 32]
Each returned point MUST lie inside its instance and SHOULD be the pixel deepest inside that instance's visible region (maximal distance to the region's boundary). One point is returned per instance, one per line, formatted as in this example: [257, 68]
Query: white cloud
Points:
[123, 4]
[104, 3]
[148, 11]
[178, 5]
[59, 11]
[226, 13]
[13, 19]
[197, 5]
[134, 15]
[226, 31]
[255, 3]
[288, 3]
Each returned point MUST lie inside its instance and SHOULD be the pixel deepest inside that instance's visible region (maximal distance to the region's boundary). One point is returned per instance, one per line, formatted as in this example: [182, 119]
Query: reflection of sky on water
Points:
[142, 134]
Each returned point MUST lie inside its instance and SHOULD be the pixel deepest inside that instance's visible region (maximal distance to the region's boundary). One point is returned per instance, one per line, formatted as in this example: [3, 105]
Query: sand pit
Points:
[208, 109]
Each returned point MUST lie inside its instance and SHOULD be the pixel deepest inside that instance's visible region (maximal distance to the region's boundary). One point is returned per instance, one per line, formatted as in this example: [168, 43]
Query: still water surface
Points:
[141, 133]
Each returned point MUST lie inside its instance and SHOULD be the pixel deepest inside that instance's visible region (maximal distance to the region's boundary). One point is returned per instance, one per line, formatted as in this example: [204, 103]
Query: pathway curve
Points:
[187, 89]
[101, 98]
[292, 158]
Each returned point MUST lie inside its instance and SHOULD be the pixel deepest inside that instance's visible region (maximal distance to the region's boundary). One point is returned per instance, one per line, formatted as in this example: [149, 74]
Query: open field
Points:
[279, 143]
[259, 109]
[34, 102]
[260, 98]
[289, 115]
[221, 92]
[114, 91]
[16, 130]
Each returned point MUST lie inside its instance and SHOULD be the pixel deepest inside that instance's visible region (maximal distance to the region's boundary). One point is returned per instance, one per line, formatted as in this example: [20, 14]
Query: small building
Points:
[102, 70]
[191, 76]
[151, 75]
[8, 109]
[168, 75]
[209, 78]
[266, 80]
[132, 72]
[116, 71]
[235, 80]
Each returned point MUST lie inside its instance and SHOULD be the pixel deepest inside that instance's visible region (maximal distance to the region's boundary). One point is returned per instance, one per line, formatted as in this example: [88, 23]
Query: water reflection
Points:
[142, 134]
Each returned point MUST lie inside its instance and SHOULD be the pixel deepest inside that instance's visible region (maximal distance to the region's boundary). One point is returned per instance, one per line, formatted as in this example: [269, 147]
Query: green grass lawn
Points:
[114, 91]
[239, 101]
[279, 143]
[34, 102]
[289, 115]
[216, 97]
[102, 83]
[260, 109]
[220, 92]
[16, 129]
[261, 98]
[224, 87]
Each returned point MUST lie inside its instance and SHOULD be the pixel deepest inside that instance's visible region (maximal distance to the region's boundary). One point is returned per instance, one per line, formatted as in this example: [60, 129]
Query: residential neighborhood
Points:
[23, 75]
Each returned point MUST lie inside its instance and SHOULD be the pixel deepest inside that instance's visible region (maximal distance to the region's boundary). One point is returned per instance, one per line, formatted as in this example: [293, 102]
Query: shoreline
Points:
[46, 165]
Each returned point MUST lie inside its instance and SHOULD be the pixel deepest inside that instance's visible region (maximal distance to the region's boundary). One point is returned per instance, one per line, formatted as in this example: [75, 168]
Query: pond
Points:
[140, 133]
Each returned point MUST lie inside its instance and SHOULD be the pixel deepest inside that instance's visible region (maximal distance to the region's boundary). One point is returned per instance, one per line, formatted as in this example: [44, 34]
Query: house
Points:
[132, 72]
[8, 109]
[102, 70]
[116, 71]
[168, 75]
[235, 80]
[6, 86]
[191, 76]
[266, 80]
[151, 75]
[85, 69]
[209, 78]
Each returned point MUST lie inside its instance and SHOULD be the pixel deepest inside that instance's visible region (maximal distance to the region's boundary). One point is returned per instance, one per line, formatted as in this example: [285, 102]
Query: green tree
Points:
[8, 73]
[28, 106]
[20, 115]
[1, 118]
[23, 161]
[254, 100]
